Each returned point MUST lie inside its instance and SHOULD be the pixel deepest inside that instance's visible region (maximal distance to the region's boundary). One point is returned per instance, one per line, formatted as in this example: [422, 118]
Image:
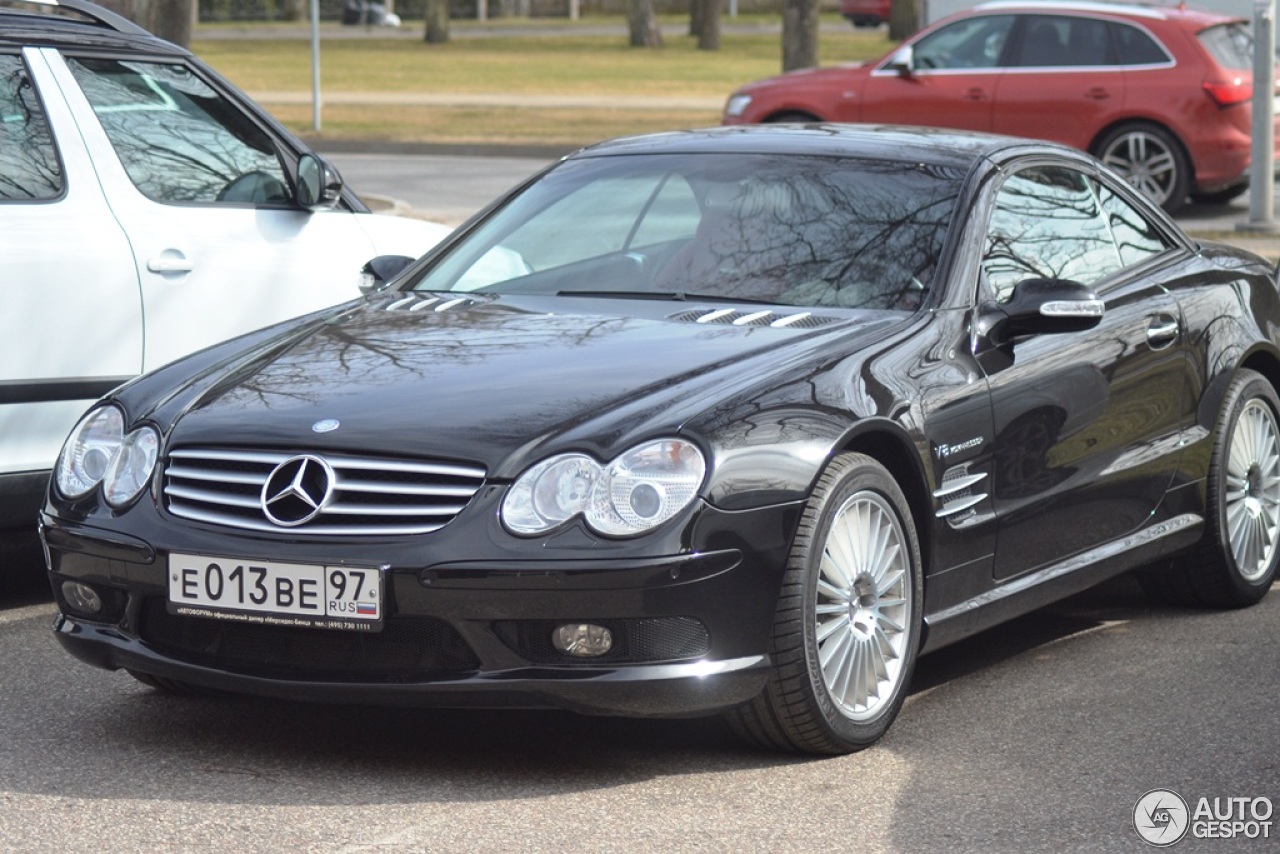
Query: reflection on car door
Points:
[72, 321]
[957, 71]
[1088, 423]
[219, 244]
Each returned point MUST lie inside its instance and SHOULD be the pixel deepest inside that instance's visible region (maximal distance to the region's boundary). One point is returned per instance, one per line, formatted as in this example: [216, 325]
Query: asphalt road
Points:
[1038, 736]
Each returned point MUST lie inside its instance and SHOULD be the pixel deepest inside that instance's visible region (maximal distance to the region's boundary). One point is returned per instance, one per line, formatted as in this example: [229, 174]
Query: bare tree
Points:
[799, 34]
[708, 23]
[437, 22]
[642, 22]
[904, 19]
[169, 19]
[293, 10]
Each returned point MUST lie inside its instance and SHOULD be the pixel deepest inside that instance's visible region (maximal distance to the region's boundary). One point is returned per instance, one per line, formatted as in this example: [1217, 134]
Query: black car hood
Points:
[491, 380]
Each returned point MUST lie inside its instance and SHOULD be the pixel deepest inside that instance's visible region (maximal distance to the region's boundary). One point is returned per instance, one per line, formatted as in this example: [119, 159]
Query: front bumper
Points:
[693, 629]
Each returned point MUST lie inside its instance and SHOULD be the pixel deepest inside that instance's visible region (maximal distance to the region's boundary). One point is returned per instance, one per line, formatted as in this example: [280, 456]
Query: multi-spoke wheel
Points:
[847, 628]
[1251, 502]
[1150, 159]
[1236, 563]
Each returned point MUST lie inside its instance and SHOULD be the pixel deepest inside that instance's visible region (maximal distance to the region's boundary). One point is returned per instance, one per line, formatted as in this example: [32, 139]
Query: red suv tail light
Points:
[1228, 93]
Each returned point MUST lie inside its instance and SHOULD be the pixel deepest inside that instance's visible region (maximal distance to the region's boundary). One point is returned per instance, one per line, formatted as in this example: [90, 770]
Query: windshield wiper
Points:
[677, 296]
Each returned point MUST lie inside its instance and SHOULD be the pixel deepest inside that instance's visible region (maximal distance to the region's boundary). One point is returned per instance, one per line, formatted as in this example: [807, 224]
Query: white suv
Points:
[148, 209]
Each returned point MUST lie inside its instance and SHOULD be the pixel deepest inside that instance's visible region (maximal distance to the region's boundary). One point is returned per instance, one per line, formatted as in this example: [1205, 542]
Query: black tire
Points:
[1151, 159]
[1235, 564]
[813, 708]
[792, 118]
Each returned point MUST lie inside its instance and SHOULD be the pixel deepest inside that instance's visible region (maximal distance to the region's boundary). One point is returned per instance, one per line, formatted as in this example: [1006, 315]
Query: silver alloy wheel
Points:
[863, 607]
[1145, 161]
[1253, 490]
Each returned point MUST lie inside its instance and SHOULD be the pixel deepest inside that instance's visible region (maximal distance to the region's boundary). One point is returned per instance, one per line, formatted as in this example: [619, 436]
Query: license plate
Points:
[272, 593]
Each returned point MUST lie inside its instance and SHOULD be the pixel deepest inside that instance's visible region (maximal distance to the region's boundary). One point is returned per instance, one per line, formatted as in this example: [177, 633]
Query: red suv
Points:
[1161, 94]
[865, 13]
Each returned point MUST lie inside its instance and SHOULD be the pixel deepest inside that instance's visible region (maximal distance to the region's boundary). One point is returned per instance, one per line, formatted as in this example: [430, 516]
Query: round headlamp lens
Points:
[131, 469]
[88, 451]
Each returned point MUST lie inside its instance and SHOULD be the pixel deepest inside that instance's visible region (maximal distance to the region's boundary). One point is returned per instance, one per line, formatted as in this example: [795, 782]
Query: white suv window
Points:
[29, 167]
[201, 149]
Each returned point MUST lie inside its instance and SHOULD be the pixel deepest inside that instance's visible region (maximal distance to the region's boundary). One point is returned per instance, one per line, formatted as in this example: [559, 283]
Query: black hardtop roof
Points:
[960, 149]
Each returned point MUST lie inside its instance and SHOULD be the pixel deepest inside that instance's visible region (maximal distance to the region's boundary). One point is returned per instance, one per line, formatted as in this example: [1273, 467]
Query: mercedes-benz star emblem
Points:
[297, 490]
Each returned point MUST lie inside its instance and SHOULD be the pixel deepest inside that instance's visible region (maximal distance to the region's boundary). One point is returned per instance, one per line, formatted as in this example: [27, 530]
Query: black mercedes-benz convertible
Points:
[737, 421]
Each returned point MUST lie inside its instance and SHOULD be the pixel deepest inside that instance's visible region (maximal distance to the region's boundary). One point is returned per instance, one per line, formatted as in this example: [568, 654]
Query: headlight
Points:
[89, 450]
[737, 105]
[98, 452]
[131, 469]
[634, 493]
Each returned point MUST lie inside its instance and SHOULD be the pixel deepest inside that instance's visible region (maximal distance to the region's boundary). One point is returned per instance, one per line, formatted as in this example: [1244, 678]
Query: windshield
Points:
[787, 230]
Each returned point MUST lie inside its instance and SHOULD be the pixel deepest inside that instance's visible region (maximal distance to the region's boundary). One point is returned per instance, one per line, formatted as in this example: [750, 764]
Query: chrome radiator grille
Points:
[316, 493]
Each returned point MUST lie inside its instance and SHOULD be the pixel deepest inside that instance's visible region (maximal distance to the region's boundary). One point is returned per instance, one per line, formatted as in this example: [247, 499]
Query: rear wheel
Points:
[847, 626]
[1151, 159]
[1235, 564]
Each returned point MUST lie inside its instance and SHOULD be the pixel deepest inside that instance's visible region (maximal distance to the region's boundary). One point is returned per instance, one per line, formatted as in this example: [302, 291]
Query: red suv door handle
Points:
[1097, 93]
[976, 94]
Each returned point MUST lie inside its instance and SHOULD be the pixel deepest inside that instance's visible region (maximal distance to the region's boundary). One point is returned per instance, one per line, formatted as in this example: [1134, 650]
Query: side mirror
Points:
[1040, 307]
[903, 61]
[319, 184]
[375, 275]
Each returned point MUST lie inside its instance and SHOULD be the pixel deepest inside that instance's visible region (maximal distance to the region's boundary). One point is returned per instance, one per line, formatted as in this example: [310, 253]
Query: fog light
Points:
[81, 597]
[582, 639]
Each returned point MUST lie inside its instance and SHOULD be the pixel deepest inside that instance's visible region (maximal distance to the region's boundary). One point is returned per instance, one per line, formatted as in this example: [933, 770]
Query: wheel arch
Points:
[1115, 124]
[894, 450]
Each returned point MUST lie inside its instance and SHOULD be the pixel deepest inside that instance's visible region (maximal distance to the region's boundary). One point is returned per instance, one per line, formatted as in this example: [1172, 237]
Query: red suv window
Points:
[1231, 45]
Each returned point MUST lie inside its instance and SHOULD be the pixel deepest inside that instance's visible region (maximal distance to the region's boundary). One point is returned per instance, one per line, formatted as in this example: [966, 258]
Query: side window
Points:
[972, 43]
[1136, 237]
[1063, 41]
[672, 215]
[612, 217]
[1135, 47]
[615, 215]
[1047, 223]
[29, 165]
[179, 140]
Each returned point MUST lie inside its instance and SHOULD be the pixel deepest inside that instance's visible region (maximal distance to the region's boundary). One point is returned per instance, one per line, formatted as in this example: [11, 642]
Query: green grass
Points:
[537, 62]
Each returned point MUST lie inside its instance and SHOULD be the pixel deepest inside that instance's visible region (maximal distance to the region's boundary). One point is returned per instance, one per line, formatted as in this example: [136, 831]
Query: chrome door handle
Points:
[1162, 332]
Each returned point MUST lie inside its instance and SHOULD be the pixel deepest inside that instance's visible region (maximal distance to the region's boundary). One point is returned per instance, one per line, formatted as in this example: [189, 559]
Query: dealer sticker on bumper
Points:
[268, 592]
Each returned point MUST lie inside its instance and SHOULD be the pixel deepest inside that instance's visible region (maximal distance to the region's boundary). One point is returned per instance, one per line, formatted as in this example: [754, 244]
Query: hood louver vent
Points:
[430, 302]
[764, 317]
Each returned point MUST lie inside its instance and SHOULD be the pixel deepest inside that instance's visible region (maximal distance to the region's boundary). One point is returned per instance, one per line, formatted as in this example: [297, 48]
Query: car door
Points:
[1063, 81]
[954, 72]
[1087, 424]
[72, 318]
[205, 194]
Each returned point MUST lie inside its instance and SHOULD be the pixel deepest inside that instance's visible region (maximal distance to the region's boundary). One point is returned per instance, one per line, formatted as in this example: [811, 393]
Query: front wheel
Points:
[792, 118]
[1151, 159]
[1235, 564]
[847, 625]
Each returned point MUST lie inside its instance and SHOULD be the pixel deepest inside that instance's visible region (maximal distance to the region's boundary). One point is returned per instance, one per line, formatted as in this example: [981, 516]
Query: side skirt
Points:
[1026, 593]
